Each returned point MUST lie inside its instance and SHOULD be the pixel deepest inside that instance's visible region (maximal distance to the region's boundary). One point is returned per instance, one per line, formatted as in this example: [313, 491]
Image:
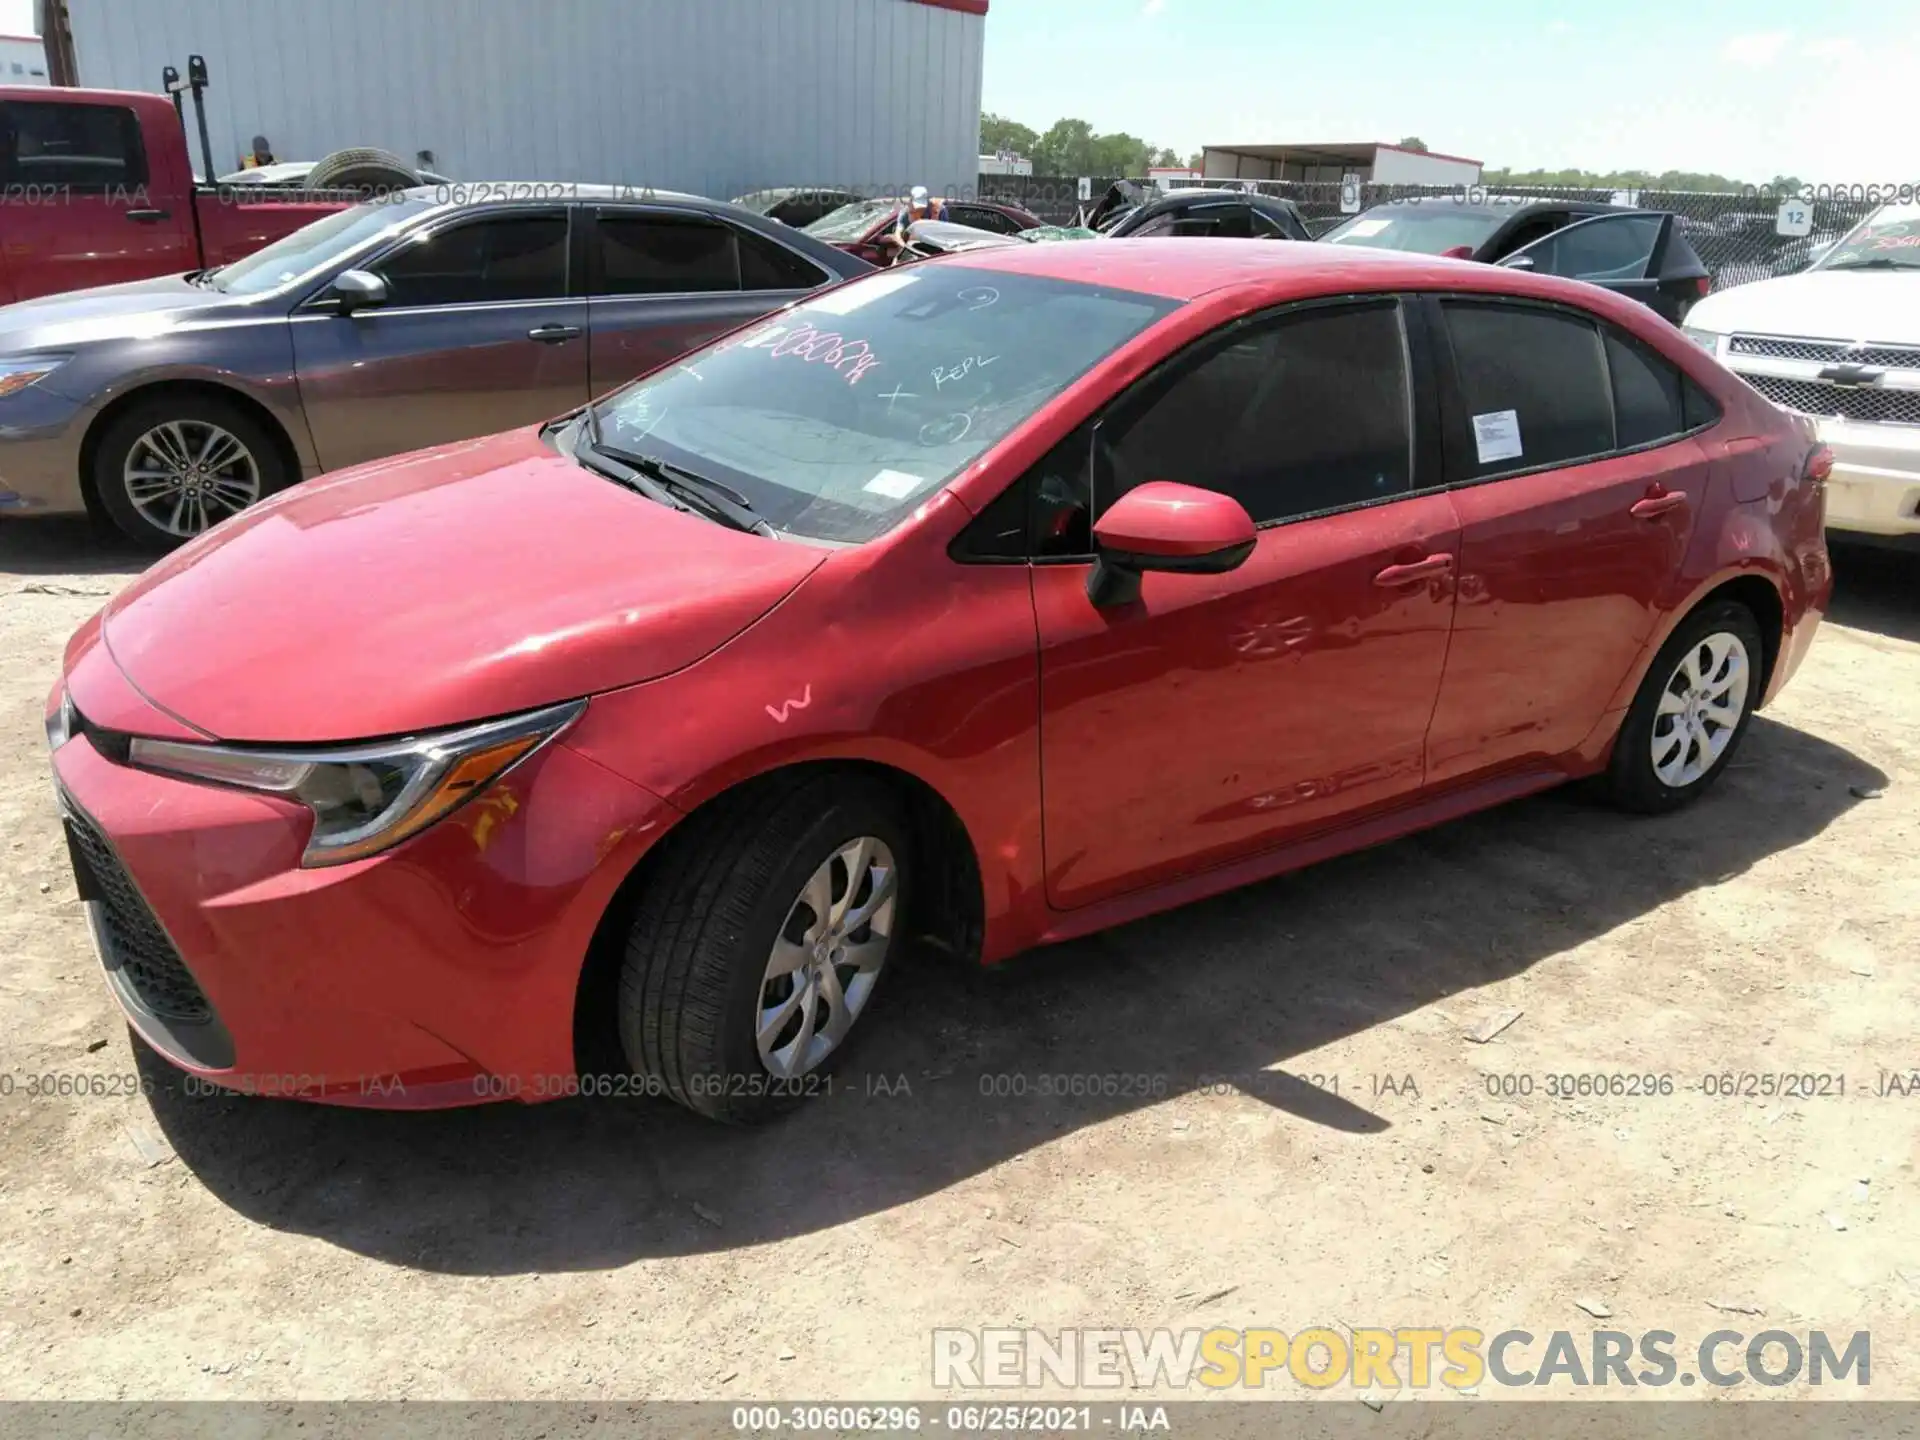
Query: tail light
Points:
[1819, 465]
[1703, 285]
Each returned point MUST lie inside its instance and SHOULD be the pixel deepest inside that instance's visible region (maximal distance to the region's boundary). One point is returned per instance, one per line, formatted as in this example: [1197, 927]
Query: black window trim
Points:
[139, 170]
[1425, 437]
[431, 226]
[1446, 379]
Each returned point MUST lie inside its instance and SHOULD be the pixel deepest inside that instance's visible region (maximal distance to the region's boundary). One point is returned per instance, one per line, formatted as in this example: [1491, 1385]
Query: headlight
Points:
[19, 371]
[1707, 340]
[367, 798]
[61, 723]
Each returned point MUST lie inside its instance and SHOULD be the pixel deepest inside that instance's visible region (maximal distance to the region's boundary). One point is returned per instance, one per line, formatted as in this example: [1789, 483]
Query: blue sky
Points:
[1751, 90]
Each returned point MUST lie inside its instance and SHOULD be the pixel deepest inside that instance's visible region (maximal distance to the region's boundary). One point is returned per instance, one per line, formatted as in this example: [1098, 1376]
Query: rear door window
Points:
[768, 265]
[982, 218]
[665, 255]
[1533, 389]
[513, 257]
[79, 147]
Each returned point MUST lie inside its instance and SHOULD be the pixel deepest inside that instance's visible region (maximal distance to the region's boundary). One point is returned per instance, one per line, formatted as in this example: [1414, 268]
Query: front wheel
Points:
[759, 941]
[170, 467]
[1691, 712]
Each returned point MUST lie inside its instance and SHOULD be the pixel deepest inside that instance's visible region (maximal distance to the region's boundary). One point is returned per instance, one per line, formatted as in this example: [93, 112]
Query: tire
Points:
[362, 168]
[1717, 639]
[138, 443]
[697, 977]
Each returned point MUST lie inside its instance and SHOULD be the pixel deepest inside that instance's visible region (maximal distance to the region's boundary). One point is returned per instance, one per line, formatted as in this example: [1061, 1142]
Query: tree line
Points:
[1073, 147]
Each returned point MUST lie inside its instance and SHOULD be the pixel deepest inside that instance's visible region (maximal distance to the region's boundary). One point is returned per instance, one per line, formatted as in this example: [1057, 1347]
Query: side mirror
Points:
[1457, 252]
[358, 290]
[1164, 526]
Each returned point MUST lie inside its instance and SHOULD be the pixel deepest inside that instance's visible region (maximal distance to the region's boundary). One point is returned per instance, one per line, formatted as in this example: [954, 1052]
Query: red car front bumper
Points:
[442, 972]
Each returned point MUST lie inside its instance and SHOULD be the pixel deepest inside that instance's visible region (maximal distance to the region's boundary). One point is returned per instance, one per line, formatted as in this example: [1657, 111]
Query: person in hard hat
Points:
[920, 206]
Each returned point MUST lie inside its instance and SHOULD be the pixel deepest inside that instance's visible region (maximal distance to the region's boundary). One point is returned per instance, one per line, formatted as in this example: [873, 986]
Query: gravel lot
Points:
[186, 1247]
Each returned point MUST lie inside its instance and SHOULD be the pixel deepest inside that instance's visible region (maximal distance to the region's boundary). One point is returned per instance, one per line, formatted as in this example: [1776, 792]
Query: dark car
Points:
[171, 403]
[1641, 253]
[797, 205]
[860, 228]
[1214, 214]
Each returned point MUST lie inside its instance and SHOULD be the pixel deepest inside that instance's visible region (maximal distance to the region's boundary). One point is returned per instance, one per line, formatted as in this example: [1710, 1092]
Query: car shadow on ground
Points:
[68, 545]
[1877, 589]
[1232, 986]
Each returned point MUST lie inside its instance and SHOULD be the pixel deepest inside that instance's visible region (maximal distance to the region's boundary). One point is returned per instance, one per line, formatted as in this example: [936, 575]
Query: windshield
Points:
[314, 246]
[836, 417]
[1430, 227]
[1888, 239]
[851, 222]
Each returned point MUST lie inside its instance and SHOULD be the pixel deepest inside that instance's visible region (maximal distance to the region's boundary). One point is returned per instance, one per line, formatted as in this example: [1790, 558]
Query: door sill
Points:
[1377, 829]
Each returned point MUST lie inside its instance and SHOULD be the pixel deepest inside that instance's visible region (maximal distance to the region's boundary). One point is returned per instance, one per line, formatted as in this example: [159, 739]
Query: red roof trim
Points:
[965, 7]
[30, 39]
[1462, 159]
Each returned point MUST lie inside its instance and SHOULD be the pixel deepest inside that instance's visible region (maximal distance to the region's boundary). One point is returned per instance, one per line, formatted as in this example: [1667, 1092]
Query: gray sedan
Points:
[169, 404]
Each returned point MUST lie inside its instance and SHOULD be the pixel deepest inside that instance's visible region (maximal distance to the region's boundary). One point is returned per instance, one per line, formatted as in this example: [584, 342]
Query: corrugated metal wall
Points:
[717, 97]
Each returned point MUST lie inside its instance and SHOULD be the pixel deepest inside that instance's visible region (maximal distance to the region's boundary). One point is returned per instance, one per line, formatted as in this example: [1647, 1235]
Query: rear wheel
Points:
[759, 941]
[1691, 712]
[168, 468]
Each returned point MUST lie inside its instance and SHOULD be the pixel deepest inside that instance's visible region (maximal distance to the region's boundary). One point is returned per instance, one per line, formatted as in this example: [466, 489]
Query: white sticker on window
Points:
[849, 298]
[1362, 229]
[1498, 436]
[894, 484]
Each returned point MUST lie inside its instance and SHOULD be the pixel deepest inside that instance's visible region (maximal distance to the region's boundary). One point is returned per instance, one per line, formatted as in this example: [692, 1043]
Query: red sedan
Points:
[990, 601]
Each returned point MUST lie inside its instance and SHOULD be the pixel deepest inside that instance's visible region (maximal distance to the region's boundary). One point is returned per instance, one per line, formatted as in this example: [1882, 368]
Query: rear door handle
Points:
[553, 334]
[1655, 506]
[1419, 570]
[147, 217]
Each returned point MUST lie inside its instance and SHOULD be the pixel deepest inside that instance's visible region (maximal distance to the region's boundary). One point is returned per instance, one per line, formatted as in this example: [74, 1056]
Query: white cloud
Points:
[1153, 7]
[1757, 50]
[1560, 27]
[1840, 47]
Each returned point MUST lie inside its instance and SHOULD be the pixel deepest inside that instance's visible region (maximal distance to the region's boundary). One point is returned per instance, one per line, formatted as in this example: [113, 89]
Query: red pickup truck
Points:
[97, 186]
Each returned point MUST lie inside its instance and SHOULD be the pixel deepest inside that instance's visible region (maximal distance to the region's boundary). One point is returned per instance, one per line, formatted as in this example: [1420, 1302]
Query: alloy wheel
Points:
[1700, 709]
[827, 957]
[185, 475]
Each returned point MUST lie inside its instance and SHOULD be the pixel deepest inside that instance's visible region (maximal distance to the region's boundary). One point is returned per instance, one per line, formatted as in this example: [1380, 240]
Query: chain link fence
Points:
[1734, 234]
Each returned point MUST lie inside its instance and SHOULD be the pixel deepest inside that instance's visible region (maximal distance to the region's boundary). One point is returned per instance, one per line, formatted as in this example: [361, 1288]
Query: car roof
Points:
[520, 192]
[1503, 206]
[1184, 269]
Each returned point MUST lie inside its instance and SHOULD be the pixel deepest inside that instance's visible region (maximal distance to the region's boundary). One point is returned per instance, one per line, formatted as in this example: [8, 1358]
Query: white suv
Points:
[1841, 343]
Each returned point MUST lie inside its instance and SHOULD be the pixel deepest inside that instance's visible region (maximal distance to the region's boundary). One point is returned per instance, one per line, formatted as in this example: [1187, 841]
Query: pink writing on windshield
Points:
[849, 358]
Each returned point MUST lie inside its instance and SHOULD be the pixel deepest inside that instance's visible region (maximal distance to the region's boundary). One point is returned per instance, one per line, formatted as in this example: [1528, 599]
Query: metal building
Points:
[717, 97]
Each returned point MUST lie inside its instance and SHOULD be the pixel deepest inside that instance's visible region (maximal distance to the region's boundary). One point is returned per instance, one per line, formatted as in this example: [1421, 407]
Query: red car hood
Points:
[432, 589]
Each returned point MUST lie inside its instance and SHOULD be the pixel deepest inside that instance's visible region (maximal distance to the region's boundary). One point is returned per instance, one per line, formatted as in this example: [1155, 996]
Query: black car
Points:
[1641, 253]
[1130, 209]
[797, 205]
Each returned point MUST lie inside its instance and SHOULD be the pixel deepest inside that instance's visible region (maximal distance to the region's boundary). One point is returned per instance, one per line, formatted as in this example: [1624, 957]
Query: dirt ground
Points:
[184, 1247]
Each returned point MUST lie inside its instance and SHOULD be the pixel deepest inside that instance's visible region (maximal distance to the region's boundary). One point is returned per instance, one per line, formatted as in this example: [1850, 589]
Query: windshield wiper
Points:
[1878, 262]
[671, 485]
[717, 501]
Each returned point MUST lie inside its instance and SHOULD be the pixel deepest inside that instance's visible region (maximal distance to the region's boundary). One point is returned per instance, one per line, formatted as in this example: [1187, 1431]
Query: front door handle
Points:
[1654, 506]
[1430, 568]
[554, 334]
[147, 217]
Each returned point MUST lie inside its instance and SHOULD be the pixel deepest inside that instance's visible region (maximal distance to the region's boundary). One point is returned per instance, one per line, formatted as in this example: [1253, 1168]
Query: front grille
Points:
[1850, 402]
[129, 931]
[1827, 352]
